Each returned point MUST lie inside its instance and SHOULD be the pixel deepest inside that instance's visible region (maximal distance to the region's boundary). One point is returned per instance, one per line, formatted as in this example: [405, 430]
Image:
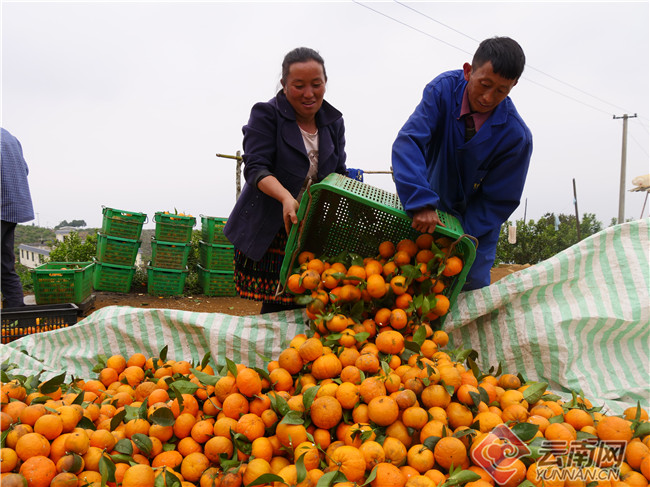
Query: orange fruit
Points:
[31, 445]
[249, 382]
[326, 412]
[139, 476]
[388, 475]
[235, 405]
[420, 458]
[38, 470]
[398, 285]
[383, 410]
[294, 284]
[291, 434]
[408, 246]
[310, 279]
[376, 286]
[453, 266]
[386, 249]
[254, 469]
[424, 241]
[398, 318]
[614, 428]
[395, 450]
[49, 425]
[30, 414]
[349, 461]
[8, 460]
[450, 451]
[251, 426]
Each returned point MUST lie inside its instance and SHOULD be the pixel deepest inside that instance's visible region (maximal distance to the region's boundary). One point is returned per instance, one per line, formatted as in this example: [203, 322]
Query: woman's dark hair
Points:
[300, 55]
[507, 57]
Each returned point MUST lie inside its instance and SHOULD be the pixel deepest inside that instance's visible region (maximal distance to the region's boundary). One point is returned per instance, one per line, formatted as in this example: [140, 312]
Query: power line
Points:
[405, 24]
[527, 65]
[566, 96]
[640, 146]
[411, 27]
[438, 22]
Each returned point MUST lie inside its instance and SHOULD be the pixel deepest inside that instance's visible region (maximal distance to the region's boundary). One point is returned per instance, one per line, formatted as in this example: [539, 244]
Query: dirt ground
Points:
[206, 304]
[203, 304]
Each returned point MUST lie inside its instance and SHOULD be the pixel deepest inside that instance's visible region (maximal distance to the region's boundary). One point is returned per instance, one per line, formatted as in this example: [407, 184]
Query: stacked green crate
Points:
[62, 282]
[170, 250]
[216, 257]
[117, 249]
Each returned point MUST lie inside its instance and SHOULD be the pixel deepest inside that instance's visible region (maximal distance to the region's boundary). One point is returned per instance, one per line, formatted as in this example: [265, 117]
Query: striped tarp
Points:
[579, 321]
[251, 340]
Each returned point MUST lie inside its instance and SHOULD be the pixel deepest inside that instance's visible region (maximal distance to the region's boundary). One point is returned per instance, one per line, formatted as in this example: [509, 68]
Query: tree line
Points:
[539, 240]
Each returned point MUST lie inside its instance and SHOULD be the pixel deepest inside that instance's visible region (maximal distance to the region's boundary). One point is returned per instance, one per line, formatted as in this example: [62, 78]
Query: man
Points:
[16, 208]
[465, 151]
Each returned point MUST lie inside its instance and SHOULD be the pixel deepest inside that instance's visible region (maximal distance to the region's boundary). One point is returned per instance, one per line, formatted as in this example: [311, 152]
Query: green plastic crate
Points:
[341, 214]
[121, 223]
[117, 250]
[216, 257]
[62, 282]
[217, 283]
[212, 230]
[113, 277]
[169, 255]
[165, 282]
[174, 228]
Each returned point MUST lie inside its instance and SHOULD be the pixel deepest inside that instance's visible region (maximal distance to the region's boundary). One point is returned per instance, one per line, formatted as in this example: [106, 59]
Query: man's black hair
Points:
[505, 54]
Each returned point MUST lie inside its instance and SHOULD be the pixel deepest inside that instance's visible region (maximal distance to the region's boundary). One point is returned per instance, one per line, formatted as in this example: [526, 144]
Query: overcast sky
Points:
[125, 104]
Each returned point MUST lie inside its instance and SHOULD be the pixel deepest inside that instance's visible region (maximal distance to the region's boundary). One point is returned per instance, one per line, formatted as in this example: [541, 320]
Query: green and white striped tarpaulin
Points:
[579, 321]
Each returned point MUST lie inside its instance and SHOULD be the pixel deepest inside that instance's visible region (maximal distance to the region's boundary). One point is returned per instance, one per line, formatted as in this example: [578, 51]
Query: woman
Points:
[292, 140]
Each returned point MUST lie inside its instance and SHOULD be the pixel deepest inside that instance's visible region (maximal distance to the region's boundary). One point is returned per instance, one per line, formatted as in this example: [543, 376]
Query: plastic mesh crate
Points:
[165, 282]
[216, 257]
[117, 250]
[340, 214]
[113, 277]
[169, 255]
[212, 230]
[62, 282]
[121, 223]
[174, 228]
[216, 283]
[20, 322]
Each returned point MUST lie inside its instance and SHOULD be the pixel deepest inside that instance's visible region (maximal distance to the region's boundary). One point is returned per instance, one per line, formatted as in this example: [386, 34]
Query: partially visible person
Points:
[16, 208]
[465, 150]
[292, 140]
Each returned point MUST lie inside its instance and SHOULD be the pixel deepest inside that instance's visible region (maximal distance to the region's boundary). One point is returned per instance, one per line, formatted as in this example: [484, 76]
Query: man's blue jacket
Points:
[479, 182]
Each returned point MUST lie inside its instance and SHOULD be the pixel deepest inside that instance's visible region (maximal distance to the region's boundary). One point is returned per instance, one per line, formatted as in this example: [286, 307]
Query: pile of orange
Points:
[410, 279]
[359, 400]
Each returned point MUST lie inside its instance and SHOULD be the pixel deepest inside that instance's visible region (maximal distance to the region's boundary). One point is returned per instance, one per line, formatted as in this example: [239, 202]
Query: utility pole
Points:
[575, 202]
[239, 160]
[621, 194]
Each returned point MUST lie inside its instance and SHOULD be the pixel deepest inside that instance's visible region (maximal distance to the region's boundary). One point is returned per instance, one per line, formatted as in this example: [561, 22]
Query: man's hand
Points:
[426, 220]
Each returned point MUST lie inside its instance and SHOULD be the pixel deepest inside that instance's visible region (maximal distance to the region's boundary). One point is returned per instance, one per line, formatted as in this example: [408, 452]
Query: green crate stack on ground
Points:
[62, 282]
[117, 249]
[216, 258]
[170, 250]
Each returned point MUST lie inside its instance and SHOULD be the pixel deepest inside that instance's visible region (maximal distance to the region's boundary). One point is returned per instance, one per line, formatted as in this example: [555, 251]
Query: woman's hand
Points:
[289, 213]
[272, 187]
